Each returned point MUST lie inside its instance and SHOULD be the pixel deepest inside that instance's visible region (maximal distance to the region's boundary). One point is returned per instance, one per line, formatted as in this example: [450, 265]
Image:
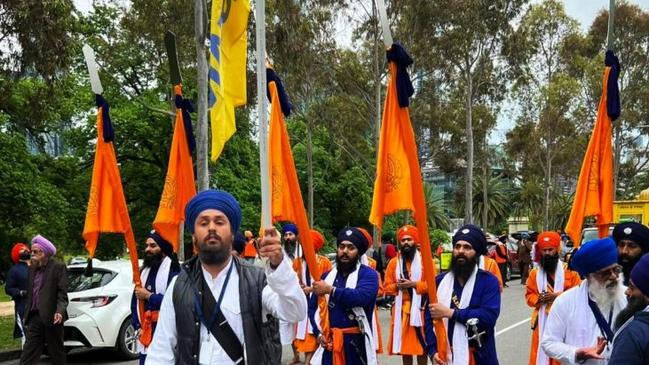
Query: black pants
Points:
[37, 334]
[503, 272]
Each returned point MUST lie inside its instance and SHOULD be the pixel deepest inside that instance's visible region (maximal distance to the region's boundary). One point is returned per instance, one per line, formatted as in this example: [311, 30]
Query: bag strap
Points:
[603, 325]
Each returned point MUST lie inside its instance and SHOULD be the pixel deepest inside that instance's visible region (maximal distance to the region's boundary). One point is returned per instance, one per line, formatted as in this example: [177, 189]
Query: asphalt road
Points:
[513, 336]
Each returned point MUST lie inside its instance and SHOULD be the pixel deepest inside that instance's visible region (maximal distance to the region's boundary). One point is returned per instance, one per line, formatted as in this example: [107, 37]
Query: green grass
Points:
[7, 342]
[3, 296]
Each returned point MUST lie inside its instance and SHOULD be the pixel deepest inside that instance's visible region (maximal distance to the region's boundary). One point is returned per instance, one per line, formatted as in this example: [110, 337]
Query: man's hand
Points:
[271, 247]
[58, 318]
[405, 284]
[320, 287]
[142, 294]
[438, 311]
[323, 342]
[436, 360]
[594, 352]
[307, 289]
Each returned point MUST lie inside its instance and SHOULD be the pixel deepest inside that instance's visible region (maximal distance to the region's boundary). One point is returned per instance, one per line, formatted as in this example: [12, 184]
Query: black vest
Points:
[261, 340]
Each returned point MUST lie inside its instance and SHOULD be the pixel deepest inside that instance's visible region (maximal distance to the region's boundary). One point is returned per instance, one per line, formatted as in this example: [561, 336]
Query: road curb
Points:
[10, 355]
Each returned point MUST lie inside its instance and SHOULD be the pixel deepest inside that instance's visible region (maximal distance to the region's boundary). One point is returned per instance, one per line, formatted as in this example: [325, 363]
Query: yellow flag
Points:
[227, 74]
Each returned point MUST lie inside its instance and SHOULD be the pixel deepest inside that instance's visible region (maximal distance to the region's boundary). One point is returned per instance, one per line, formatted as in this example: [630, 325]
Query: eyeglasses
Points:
[615, 270]
[36, 252]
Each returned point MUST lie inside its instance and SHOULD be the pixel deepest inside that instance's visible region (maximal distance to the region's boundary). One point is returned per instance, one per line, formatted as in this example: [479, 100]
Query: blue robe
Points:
[340, 305]
[484, 305]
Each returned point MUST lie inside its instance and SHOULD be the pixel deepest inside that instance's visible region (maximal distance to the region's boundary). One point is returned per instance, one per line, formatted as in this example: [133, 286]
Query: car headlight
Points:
[97, 301]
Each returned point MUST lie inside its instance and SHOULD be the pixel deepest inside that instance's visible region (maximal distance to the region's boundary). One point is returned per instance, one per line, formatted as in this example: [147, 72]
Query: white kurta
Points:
[571, 325]
[282, 297]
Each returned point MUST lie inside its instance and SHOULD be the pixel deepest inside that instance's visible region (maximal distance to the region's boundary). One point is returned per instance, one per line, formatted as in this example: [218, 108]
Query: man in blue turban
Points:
[214, 312]
[290, 237]
[579, 328]
[350, 290]
[632, 336]
[632, 240]
[469, 298]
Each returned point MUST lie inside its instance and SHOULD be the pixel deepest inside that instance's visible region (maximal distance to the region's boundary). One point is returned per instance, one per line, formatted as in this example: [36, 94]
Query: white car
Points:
[99, 308]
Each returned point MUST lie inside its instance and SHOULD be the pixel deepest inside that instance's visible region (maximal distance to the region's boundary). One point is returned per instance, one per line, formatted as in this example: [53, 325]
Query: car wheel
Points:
[126, 341]
[508, 274]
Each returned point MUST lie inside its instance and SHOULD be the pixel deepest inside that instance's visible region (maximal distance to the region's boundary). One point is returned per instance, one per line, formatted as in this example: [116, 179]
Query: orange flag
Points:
[107, 211]
[286, 196]
[179, 185]
[399, 185]
[594, 193]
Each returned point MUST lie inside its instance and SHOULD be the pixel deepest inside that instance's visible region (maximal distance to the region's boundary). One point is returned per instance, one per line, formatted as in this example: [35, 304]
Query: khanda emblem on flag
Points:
[394, 173]
[227, 68]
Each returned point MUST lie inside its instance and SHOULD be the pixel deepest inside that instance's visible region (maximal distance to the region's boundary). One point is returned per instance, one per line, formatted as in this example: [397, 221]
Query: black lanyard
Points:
[604, 326]
[217, 307]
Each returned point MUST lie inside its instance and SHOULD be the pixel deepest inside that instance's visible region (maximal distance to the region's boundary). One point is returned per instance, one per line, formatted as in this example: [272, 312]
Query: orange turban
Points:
[548, 239]
[408, 230]
[318, 240]
[15, 251]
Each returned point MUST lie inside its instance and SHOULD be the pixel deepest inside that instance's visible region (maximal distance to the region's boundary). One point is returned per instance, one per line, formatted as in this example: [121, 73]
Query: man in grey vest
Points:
[224, 310]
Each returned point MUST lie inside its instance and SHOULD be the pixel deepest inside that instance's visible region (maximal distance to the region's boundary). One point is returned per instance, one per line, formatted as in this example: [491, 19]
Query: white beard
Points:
[604, 296]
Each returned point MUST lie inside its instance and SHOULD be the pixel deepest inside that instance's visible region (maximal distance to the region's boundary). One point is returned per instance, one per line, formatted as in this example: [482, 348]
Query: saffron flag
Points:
[107, 211]
[286, 196]
[227, 69]
[398, 184]
[594, 193]
[179, 185]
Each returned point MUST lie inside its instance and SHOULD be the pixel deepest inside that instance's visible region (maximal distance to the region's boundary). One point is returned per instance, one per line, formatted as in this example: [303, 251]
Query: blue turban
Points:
[640, 273]
[356, 237]
[289, 227]
[632, 231]
[472, 234]
[213, 199]
[164, 245]
[239, 242]
[594, 255]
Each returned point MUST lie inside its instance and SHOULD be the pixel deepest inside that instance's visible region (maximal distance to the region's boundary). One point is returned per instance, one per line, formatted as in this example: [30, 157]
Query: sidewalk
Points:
[6, 309]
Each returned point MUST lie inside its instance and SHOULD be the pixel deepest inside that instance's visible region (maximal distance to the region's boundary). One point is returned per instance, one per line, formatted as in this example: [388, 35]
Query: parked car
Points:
[512, 250]
[99, 310]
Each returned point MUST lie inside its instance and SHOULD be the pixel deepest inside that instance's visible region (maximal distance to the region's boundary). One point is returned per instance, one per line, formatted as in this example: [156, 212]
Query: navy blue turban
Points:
[164, 245]
[632, 231]
[640, 273]
[289, 227]
[213, 199]
[356, 237]
[594, 255]
[472, 234]
[239, 242]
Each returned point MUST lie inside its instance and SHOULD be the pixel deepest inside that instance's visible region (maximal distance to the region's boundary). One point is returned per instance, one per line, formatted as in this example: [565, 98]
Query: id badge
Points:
[207, 350]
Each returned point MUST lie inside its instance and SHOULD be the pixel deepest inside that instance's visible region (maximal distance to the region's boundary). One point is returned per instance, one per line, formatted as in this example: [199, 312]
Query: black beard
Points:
[408, 252]
[153, 260]
[24, 256]
[213, 255]
[346, 267]
[464, 270]
[627, 262]
[549, 263]
[634, 305]
[289, 247]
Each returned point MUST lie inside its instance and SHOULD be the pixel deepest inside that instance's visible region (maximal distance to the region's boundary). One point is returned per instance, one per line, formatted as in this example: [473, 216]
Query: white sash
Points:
[304, 327]
[541, 284]
[415, 301]
[161, 280]
[370, 346]
[460, 344]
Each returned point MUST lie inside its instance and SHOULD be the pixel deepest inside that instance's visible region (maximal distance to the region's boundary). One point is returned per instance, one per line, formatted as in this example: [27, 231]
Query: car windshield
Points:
[78, 281]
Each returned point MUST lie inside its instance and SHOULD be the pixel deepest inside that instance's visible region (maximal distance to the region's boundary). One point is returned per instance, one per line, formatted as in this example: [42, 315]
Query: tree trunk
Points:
[485, 184]
[548, 184]
[202, 180]
[309, 159]
[468, 206]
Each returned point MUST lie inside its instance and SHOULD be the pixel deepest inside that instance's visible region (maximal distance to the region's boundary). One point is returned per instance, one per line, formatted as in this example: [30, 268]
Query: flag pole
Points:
[262, 112]
[385, 25]
[610, 36]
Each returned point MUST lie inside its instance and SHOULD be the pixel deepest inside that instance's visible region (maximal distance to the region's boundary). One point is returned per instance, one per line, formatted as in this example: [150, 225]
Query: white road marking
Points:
[512, 326]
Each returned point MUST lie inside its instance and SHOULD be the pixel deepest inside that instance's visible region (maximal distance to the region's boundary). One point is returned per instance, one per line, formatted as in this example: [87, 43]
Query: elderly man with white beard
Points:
[579, 327]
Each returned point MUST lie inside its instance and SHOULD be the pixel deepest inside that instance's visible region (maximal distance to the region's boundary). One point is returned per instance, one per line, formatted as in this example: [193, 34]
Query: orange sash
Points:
[146, 336]
[338, 337]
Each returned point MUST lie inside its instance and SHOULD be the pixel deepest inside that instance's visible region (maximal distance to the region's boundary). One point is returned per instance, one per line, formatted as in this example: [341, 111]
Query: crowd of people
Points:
[239, 299]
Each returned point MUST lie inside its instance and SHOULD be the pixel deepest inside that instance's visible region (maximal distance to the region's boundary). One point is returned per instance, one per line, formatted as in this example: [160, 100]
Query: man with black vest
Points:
[632, 240]
[223, 310]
